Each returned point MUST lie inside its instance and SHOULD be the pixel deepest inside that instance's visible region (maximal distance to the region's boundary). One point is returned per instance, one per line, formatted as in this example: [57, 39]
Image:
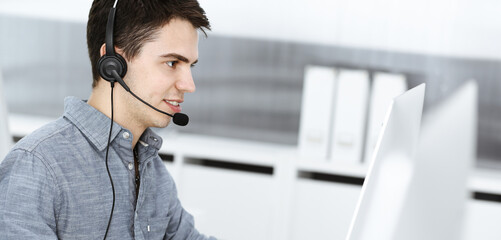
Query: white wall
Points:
[73, 10]
[442, 27]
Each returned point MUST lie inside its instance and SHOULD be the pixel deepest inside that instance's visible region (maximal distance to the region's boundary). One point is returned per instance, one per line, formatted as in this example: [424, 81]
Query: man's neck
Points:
[100, 99]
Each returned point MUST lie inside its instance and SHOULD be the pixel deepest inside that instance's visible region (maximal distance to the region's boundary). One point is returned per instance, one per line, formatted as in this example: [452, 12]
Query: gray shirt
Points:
[54, 184]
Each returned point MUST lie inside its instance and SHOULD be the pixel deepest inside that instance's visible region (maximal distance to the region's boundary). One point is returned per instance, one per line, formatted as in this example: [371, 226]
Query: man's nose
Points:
[186, 83]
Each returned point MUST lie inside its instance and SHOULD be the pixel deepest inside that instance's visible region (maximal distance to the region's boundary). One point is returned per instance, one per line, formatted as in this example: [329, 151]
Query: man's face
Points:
[161, 74]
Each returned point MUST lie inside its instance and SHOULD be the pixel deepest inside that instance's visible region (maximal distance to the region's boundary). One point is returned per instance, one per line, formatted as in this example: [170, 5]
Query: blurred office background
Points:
[250, 74]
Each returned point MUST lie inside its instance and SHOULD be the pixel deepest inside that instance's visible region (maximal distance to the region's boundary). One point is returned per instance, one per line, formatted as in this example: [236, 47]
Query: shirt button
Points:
[131, 166]
[126, 135]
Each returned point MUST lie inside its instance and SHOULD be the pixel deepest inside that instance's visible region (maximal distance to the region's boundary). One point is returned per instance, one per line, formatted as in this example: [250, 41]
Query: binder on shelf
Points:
[385, 87]
[316, 111]
[350, 115]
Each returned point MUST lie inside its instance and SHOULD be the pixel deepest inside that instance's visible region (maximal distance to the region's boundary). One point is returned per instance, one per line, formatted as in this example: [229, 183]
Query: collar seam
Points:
[81, 127]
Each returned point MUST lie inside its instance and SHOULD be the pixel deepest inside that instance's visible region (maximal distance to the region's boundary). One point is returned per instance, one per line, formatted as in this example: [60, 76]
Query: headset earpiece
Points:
[111, 60]
[108, 63]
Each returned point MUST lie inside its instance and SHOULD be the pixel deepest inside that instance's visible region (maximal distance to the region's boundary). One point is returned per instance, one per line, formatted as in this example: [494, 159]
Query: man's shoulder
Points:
[52, 133]
[39, 147]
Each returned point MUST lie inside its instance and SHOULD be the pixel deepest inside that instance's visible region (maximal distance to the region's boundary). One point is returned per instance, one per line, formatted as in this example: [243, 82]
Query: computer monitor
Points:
[417, 189]
[5, 137]
[436, 200]
[384, 189]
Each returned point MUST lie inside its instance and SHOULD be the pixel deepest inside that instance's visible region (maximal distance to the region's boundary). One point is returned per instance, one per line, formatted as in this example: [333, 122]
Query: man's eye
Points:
[171, 63]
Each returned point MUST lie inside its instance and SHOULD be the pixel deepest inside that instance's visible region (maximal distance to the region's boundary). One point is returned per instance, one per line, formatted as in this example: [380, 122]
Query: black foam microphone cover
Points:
[180, 119]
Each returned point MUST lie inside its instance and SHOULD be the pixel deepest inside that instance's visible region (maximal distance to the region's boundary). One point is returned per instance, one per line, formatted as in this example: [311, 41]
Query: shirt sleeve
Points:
[182, 224]
[27, 198]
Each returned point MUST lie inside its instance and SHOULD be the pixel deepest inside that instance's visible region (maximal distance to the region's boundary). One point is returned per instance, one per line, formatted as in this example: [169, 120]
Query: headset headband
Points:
[110, 48]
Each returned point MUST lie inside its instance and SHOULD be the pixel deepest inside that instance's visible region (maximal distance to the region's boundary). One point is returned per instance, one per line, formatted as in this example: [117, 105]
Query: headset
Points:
[112, 68]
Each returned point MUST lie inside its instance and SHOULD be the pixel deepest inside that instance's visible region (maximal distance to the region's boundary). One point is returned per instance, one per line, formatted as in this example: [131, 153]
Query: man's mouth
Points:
[174, 103]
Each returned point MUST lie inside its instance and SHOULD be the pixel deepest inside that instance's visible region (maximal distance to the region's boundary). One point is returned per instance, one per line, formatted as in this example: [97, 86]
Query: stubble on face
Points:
[152, 80]
[143, 115]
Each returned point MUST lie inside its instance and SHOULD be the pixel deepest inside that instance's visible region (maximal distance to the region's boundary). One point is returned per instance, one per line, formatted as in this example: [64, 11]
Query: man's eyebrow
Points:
[178, 57]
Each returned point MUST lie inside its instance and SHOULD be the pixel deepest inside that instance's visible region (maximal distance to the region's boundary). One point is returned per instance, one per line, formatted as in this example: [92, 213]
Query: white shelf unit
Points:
[239, 189]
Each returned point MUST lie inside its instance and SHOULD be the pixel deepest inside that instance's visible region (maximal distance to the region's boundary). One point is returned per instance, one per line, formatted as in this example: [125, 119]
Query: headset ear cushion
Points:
[124, 65]
[108, 63]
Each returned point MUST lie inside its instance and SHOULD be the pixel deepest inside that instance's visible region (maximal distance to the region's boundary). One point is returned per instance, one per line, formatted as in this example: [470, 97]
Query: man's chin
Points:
[162, 123]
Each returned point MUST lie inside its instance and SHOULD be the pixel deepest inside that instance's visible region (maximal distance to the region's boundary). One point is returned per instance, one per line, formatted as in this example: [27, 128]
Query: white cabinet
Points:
[322, 210]
[228, 204]
[482, 220]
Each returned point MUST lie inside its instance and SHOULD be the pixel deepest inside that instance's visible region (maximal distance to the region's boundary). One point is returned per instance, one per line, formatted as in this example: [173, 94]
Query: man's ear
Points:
[102, 51]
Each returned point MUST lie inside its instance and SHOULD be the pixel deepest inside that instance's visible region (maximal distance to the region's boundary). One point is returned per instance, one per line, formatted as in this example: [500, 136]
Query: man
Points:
[54, 183]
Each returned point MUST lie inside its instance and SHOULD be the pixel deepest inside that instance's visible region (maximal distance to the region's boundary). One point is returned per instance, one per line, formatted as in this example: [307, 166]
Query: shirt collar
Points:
[92, 123]
[96, 126]
[150, 138]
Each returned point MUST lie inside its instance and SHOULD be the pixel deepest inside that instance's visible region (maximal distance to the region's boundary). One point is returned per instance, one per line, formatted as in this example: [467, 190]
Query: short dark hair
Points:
[137, 22]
